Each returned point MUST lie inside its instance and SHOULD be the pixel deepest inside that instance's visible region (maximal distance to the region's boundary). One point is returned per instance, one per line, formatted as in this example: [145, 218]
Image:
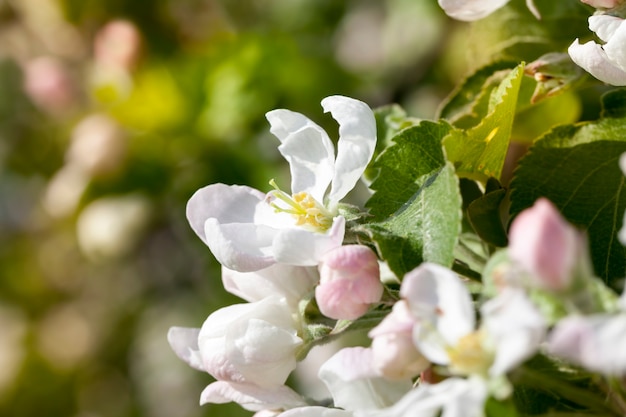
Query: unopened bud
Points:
[545, 246]
[554, 72]
[394, 354]
[349, 282]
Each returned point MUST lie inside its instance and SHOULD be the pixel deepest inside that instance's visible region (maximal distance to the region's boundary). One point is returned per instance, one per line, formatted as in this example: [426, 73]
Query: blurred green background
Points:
[112, 113]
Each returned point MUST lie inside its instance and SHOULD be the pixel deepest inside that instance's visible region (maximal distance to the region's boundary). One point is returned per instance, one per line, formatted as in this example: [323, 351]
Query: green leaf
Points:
[576, 167]
[469, 102]
[484, 215]
[425, 228]
[390, 120]
[416, 152]
[479, 152]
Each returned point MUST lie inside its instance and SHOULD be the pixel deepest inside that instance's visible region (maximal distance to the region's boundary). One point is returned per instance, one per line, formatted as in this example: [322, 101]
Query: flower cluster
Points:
[438, 344]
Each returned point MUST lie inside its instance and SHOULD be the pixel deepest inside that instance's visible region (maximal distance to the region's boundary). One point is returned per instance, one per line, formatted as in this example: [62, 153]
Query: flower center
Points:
[469, 355]
[308, 212]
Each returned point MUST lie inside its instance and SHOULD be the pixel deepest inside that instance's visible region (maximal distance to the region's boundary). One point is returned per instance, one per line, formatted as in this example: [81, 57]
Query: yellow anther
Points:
[469, 355]
[308, 212]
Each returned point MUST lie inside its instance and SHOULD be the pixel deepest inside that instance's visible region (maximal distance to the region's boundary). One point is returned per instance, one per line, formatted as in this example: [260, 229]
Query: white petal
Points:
[516, 328]
[594, 342]
[357, 141]
[251, 397]
[250, 342]
[614, 47]
[354, 385]
[438, 298]
[470, 10]
[593, 59]
[307, 148]
[453, 397]
[184, 343]
[262, 352]
[243, 247]
[227, 203]
[297, 246]
[292, 282]
[315, 412]
[604, 25]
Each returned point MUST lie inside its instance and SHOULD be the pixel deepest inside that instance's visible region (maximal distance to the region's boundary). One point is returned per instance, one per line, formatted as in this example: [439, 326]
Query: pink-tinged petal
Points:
[307, 148]
[470, 10]
[349, 282]
[546, 247]
[184, 343]
[605, 4]
[251, 397]
[354, 384]
[442, 306]
[593, 59]
[316, 412]
[292, 282]
[593, 342]
[394, 353]
[357, 141]
[243, 247]
[514, 326]
[297, 246]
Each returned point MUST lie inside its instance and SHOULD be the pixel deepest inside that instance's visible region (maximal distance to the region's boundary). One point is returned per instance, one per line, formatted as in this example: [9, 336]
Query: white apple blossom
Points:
[511, 328]
[607, 61]
[470, 10]
[253, 343]
[248, 230]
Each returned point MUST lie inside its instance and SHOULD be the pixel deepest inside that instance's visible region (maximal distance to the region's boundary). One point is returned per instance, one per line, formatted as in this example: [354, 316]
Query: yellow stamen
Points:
[469, 355]
[308, 212]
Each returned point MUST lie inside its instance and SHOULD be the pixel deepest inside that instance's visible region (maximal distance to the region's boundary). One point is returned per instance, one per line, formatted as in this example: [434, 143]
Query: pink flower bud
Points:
[349, 282]
[394, 354]
[545, 246]
[605, 4]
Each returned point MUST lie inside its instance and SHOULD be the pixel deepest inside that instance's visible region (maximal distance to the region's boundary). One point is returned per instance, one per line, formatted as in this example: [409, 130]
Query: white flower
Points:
[606, 62]
[248, 230]
[251, 343]
[470, 10]
[511, 329]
